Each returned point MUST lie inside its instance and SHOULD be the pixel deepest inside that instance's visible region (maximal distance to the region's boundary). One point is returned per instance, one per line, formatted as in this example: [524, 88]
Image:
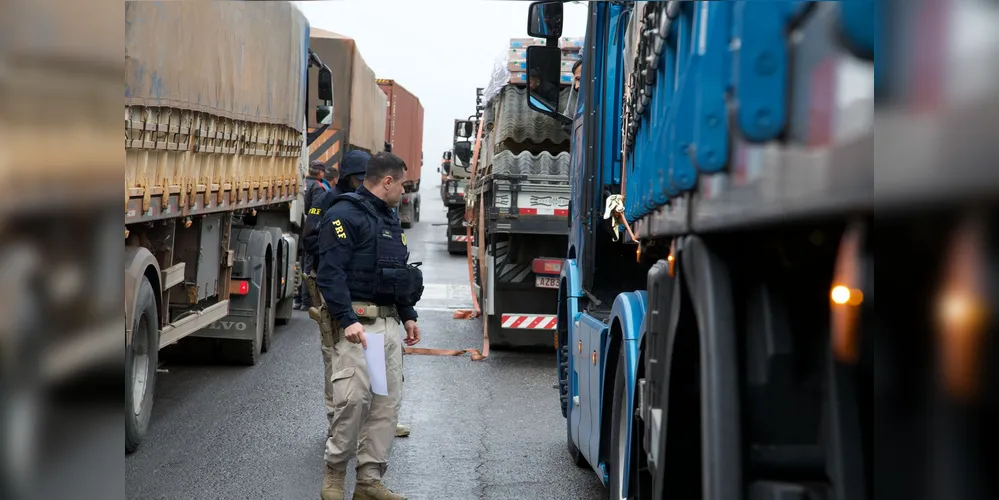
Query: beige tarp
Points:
[239, 60]
[358, 103]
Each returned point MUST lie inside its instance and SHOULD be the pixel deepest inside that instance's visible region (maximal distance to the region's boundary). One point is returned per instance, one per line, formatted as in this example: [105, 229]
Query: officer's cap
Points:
[354, 162]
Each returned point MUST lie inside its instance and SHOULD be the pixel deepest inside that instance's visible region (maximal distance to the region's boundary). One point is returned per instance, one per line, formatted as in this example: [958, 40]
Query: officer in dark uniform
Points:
[315, 186]
[351, 177]
[370, 288]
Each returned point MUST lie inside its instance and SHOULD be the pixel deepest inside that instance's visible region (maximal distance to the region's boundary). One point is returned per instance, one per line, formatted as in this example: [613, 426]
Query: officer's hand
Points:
[355, 333]
[412, 333]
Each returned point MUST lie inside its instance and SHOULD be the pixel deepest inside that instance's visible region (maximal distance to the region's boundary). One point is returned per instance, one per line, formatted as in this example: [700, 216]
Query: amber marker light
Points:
[845, 297]
[961, 313]
[671, 260]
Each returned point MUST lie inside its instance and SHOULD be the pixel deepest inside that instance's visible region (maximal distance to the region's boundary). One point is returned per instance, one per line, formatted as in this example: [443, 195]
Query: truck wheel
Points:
[247, 352]
[270, 317]
[618, 430]
[141, 357]
[563, 379]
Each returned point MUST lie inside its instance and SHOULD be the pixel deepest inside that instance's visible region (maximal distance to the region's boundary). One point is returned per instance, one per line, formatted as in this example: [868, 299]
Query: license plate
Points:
[545, 282]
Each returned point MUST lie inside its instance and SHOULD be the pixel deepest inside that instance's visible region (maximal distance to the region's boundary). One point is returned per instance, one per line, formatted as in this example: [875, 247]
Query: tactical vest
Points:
[379, 272]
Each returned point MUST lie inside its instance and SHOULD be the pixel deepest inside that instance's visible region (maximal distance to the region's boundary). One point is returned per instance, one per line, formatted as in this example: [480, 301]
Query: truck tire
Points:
[619, 449]
[141, 357]
[247, 352]
[271, 314]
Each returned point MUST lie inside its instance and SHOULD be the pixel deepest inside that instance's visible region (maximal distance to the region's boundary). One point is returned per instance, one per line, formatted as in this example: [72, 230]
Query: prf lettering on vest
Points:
[315, 211]
[340, 233]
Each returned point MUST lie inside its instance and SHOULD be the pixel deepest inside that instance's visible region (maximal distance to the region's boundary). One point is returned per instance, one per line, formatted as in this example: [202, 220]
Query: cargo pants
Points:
[362, 423]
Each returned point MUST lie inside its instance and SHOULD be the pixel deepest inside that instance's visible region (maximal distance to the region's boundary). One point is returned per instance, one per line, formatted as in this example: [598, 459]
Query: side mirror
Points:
[544, 65]
[544, 19]
[324, 115]
[463, 128]
[325, 85]
[324, 111]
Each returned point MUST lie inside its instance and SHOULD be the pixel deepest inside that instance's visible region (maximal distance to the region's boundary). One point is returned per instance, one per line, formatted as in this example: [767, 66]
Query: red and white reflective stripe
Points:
[560, 212]
[529, 321]
[460, 237]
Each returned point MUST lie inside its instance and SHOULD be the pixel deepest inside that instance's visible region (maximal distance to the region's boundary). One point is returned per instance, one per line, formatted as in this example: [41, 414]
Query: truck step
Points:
[529, 321]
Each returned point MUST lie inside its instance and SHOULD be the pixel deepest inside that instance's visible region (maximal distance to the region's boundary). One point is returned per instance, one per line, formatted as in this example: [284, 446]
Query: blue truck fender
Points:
[570, 277]
[623, 343]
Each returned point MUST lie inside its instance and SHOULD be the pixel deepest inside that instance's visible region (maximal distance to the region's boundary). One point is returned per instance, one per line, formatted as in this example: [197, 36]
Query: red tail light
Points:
[239, 287]
[547, 266]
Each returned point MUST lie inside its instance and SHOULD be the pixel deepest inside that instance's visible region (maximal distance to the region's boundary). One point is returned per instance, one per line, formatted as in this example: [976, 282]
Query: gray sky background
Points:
[439, 50]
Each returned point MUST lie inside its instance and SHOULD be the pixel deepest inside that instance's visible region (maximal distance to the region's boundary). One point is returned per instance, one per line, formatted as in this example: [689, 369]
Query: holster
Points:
[329, 328]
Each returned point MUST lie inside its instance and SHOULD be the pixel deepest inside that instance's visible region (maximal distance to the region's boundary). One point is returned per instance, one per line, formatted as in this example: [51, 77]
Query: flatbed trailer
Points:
[517, 203]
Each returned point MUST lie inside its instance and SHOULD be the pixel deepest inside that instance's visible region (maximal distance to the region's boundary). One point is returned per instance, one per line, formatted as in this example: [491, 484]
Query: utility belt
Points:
[368, 312]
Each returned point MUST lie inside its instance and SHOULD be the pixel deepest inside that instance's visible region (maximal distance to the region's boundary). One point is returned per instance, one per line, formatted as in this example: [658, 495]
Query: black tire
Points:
[270, 317]
[141, 358]
[563, 379]
[616, 454]
[281, 321]
[247, 351]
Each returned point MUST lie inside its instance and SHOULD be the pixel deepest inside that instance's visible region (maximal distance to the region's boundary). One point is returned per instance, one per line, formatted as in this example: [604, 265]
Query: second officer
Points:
[369, 287]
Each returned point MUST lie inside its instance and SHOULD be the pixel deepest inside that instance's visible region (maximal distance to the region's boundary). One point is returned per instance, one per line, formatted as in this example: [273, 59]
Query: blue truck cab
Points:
[717, 163]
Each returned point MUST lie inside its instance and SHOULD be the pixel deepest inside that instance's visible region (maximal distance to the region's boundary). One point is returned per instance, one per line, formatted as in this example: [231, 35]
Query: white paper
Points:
[375, 357]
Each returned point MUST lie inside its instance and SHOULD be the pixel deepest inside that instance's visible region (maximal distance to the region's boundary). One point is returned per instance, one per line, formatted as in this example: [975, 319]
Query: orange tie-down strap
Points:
[476, 354]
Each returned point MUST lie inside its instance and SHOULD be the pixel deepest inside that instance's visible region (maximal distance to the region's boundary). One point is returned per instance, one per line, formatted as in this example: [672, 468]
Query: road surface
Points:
[480, 430]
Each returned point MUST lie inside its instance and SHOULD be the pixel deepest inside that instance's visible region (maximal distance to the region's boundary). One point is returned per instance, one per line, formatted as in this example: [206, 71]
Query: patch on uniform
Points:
[404, 239]
[340, 232]
[386, 234]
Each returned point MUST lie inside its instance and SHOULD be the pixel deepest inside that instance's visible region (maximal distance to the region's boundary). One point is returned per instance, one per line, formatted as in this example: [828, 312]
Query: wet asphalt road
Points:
[480, 430]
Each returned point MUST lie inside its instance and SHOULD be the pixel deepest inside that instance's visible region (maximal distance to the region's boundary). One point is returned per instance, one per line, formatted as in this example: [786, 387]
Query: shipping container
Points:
[357, 123]
[404, 129]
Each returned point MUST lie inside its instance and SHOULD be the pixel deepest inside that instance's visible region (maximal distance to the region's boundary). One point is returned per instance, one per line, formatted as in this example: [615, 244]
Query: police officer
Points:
[369, 287]
[354, 163]
[314, 187]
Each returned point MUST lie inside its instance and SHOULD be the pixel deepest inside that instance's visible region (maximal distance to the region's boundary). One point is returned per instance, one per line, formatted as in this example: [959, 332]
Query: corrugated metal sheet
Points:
[526, 163]
[237, 60]
[404, 126]
[519, 123]
[357, 100]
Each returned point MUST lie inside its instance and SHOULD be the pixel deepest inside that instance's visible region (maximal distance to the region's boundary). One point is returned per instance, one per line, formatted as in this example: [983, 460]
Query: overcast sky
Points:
[440, 50]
